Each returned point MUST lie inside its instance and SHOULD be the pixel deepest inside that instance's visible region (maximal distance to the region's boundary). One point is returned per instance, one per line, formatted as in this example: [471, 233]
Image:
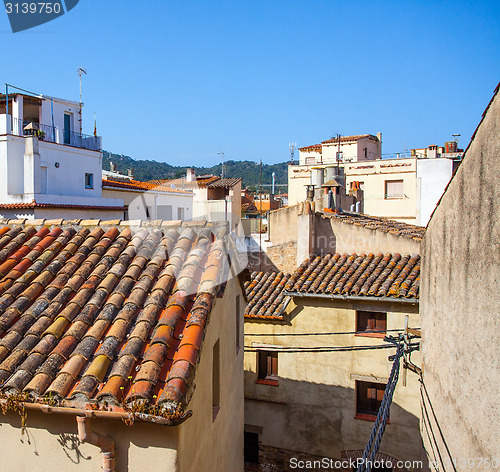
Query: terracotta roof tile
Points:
[109, 316]
[380, 223]
[344, 275]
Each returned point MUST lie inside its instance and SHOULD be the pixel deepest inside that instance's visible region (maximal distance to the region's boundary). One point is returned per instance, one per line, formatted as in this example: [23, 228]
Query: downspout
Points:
[107, 445]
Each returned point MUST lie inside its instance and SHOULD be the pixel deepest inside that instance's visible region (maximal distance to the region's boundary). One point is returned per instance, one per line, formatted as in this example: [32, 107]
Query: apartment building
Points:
[48, 167]
[405, 189]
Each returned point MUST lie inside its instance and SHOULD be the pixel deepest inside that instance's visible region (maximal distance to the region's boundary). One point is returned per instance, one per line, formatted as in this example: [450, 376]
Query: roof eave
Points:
[331, 296]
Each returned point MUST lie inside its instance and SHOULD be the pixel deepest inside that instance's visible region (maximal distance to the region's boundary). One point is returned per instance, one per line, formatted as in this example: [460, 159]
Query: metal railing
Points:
[52, 134]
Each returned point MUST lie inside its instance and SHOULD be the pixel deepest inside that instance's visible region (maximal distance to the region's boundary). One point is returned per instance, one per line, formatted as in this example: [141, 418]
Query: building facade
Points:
[314, 393]
[47, 166]
[123, 345]
[459, 309]
[404, 189]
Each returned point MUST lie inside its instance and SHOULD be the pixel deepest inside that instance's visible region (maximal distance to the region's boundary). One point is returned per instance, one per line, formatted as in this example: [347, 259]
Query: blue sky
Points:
[180, 81]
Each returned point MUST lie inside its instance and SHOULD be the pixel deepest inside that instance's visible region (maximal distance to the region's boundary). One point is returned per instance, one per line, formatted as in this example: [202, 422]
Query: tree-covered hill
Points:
[151, 170]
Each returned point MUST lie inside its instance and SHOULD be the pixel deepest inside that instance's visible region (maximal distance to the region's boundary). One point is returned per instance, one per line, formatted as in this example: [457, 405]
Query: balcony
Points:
[52, 134]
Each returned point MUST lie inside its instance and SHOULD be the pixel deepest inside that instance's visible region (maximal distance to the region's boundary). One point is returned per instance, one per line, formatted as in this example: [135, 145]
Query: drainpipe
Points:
[107, 445]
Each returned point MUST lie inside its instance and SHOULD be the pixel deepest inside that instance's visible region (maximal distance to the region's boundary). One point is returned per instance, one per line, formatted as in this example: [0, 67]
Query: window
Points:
[67, 128]
[215, 380]
[43, 180]
[371, 321]
[89, 180]
[164, 212]
[148, 212]
[310, 160]
[368, 399]
[251, 448]
[267, 368]
[393, 189]
[238, 323]
[180, 214]
[366, 152]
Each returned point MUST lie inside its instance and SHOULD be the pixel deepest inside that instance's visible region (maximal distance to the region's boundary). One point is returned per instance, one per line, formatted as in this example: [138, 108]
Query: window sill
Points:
[273, 383]
[380, 335]
[366, 417]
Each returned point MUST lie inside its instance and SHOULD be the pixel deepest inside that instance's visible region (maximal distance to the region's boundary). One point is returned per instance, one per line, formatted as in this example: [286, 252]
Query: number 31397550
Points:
[33, 8]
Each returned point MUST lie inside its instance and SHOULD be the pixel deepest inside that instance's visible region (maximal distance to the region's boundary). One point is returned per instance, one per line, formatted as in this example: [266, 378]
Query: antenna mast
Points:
[81, 70]
[291, 147]
[222, 154]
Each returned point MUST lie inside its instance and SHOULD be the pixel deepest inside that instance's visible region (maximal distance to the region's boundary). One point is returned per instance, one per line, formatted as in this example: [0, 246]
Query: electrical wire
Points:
[326, 334]
[294, 349]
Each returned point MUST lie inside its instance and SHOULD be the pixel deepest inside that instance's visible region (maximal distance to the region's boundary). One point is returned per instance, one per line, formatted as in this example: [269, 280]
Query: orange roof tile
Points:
[144, 186]
[345, 275]
[106, 318]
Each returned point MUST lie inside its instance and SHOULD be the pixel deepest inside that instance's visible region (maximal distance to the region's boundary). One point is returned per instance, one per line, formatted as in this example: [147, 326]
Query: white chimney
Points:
[190, 175]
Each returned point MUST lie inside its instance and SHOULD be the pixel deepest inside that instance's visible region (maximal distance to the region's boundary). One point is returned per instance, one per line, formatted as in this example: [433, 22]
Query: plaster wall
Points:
[460, 299]
[373, 174]
[432, 177]
[207, 444]
[68, 179]
[312, 409]
[329, 235]
[51, 444]
[138, 201]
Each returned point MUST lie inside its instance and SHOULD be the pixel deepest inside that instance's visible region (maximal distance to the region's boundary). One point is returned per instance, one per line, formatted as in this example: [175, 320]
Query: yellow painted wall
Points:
[313, 408]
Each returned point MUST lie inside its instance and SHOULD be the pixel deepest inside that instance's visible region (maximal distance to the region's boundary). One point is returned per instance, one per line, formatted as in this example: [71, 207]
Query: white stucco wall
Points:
[432, 177]
[137, 201]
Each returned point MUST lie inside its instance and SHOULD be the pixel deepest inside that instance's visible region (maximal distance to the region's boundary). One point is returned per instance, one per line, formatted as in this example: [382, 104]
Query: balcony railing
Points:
[53, 134]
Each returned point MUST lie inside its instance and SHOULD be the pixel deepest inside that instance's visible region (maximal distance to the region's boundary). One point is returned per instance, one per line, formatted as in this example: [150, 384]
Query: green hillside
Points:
[151, 170]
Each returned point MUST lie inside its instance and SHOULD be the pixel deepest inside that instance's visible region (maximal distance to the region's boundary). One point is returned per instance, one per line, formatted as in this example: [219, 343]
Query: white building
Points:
[215, 199]
[403, 189]
[147, 201]
[48, 168]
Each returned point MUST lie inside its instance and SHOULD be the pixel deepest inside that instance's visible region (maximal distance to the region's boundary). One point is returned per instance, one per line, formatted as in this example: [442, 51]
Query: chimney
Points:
[131, 173]
[190, 175]
[379, 136]
[113, 167]
[305, 231]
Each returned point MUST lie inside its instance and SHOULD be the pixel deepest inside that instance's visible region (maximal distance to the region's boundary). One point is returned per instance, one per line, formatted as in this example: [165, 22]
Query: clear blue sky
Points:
[179, 81]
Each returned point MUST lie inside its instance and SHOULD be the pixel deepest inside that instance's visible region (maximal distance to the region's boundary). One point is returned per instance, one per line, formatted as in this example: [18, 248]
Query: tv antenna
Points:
[291, 147]
[81, 70]
[222, 154]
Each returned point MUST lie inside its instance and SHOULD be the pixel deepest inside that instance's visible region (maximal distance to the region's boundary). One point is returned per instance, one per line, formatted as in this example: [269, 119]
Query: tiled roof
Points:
[144, 186]
[340, 275]
[34, 204]
[200, 182]
[379, 223]
[313, 148]
[344, 139]
[102, 316]
[225, 183]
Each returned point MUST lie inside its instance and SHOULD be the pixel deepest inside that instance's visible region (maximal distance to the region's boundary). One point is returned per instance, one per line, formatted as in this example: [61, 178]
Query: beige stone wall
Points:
[313, 408]
[461, 257]
[215, 446]
[51, 444]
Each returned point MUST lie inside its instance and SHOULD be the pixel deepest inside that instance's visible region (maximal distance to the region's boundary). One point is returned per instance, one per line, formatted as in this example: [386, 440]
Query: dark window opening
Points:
[373, 322]
[89, 181]
[251, 448]
[267, 367]
[368, 399]
[215, 380]
[238, 323]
